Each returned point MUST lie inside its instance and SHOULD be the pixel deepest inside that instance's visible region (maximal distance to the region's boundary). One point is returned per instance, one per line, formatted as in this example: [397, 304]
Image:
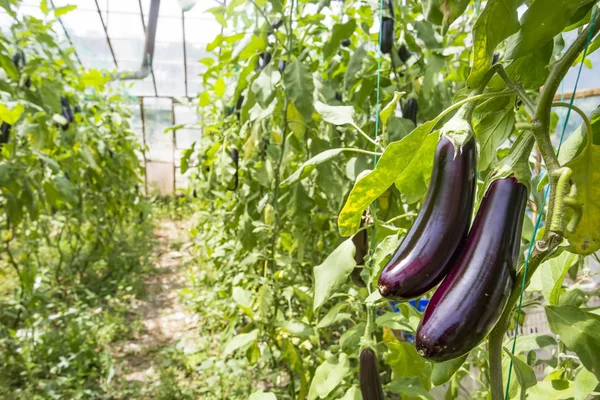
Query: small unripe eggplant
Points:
[370, 383]
[424, 256]
[346, 43]
[235, 157]
[281, 66]
[386, 35]
[338, 96]
[410, 110]
[404, 54]
[239, 103]
[66, 109]
[468, 303]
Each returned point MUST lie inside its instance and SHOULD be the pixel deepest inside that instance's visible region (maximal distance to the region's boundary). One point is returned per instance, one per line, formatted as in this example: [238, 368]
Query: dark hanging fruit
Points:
[346, 42]
[281, 66]
[424, 256]
[386, 35]
[495, 58]
[67, 176]
[66, 109]
[338, 96]
[239, 103]
[229, 110]
[360, 241]
[409, 111]
[4, 133]
[195, 194]
[404, 54]
[276, 24]
[235, 157]
[468, 303]
[370, 383]
[263, 60]
[19, 61]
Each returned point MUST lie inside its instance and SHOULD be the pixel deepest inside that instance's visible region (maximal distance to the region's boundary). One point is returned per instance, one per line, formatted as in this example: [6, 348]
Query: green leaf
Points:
[299, 87]
[333, 316]
[354, 66]
[585, 239]
[8, 174]
[409, 387]
[531, 70]
[403, 359]
[298, 329]
[412, 182]
[579, 331]
[60, 11]
[65, 189]
[248, 47]
[350, 340]
[442, 372]
[369, 187]
[11, 116]
[498, 20]
[336, 115]
[444, 12]
[339, 32]
[353, 394]
[309, 166]
[524, 373]
[541, 22]
[260, 395]
[389, 109]
[333, 272]
[555, 389]
[264, 85]
[328, 376]
[526, 343]
[492, 131]
[585, 383]
[241, 341]
[553, 272]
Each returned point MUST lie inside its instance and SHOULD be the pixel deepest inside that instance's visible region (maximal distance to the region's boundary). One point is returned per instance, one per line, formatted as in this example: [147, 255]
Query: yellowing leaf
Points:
[220, 87]
[11, 116]
[389, 109]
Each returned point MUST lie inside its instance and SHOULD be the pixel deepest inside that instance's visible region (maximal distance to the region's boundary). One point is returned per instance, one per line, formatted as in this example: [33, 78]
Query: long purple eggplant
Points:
[468, 303]
[424, 256]
[370, 384]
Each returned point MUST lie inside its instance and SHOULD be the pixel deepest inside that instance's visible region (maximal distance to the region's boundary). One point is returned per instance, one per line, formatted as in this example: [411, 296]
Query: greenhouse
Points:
[300, 199]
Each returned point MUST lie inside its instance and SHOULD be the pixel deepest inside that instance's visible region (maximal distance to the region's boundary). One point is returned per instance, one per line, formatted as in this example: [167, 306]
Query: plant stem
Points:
[529, 103]
[367, 136]
[586, 120]
[260, 10]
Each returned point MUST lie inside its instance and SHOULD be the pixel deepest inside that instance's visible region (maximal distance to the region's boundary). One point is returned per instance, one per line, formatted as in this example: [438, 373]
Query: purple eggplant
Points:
[404, 54]
[4, 133]
[409, 111]
[361, 244]
[386, 35]
[370, 384]
[468, 303]
[424, 256]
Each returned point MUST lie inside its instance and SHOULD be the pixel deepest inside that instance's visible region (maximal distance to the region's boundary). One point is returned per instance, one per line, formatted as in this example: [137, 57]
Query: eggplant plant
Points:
[330, 159]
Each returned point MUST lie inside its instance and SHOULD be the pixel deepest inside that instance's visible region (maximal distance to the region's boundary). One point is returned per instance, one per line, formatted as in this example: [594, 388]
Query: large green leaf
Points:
[412, 182]
[409, 387]
[241, 341]
[260, 395]
[299, 87]
[580, 331]
[354, 66]
[369, 187]
[558, 389]
[498, 20]
[553, 272]
[524, 373]
[492, 131]
[264, 85]
[328, 376]
[585, 239]
[444, 12]
[540, 23]
[405, 362]
[443, 371]
[333, 272]
[585, 383]
[530, 70]
[336, 115]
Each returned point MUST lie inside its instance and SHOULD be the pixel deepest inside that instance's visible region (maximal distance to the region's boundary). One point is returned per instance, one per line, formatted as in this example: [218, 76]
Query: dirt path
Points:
[164, 318]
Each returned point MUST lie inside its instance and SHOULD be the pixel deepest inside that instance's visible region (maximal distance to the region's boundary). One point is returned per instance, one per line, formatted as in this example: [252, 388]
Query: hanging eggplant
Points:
[468, 303]
[360, 241]
[424, 256]
[4, 133]
[370, 383]
[404, 54]
[281, 66]
[409, 111]
[346, 43]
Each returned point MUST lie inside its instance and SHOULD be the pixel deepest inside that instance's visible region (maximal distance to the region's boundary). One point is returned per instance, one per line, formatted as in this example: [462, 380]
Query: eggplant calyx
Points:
[458, 130]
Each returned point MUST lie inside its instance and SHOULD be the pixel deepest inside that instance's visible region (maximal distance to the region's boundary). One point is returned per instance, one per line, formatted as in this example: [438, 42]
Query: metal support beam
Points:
[106, 33]
[184, 54]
